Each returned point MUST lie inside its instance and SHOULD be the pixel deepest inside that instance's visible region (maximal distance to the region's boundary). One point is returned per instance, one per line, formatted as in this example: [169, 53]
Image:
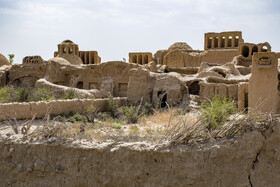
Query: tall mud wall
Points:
[251, 159]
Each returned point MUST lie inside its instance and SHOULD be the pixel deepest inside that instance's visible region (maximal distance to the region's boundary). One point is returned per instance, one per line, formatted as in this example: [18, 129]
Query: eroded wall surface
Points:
[252, 159]
[41, 109]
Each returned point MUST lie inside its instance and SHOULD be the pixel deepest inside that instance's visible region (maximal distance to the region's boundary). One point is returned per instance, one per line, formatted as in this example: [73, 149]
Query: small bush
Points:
[131, 114]
[133, 129]
[217, 111]
[147, 109]
[23, 94]
[18, 95]
[116, 125]
[77, 117]
[4, 95]
[113, 106]
[103, 116]
[41, 94]
[70, 94]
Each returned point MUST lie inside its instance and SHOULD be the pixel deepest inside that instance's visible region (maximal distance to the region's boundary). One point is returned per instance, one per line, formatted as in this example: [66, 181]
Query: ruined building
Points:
[227, 66]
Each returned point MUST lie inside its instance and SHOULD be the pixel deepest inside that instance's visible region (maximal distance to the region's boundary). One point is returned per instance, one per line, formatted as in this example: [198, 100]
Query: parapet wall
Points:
[252, 159]
[56, 107]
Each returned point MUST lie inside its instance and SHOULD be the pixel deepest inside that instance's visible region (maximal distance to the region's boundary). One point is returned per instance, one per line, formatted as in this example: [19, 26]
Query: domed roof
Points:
[68, 41]
[3, 60]
[179, 46]
[59, 60]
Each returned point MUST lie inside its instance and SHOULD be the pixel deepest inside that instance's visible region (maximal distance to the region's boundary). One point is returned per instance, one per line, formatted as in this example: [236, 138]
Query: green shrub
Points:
[147, 109]
[77, 117]
[217, 111]
[131, 114]
[23, 94]
[103, 116]
[70, 94]
[4, 95]
[116, 125]
[18, 95]
[113, 106]
[41, 94]
[11, 58]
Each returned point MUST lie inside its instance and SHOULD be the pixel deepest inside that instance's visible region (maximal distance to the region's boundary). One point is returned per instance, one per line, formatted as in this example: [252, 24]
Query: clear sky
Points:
[116, 27]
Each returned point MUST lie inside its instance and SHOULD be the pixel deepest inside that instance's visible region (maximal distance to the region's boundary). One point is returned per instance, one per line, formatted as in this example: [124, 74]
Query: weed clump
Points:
[70, 94]
[4, 95]
[41, 94]
[216, 111]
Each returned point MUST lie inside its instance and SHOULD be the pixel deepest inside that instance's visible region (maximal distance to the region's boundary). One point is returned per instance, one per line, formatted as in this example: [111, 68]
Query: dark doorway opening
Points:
[80, 85]
[194, 88]
[162, 95]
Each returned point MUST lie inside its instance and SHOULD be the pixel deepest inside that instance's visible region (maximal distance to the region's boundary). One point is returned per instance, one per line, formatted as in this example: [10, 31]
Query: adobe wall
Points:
[219, 56]
[159, 55]
[223, 40]
[263, 83]
[140, 58]
[209, 90]
[195, 58]
[26, 74]
[56, 107]
[89, 57]
[251, 159]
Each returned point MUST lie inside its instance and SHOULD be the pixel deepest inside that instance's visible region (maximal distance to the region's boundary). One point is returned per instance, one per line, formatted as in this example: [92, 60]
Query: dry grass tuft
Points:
[196, 130]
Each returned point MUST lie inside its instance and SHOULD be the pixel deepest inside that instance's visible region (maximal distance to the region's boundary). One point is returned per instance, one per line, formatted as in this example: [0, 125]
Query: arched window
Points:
[140, 59]
[223, 41]
[134, 59]
[264, 48]
[210, 43]
[236, 41]
[245, 51]
[216, 40]
[254, 49]
[229, 41]
[146, 59]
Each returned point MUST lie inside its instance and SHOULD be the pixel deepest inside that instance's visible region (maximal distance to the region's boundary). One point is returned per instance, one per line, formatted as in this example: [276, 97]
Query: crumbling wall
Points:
[251, 159]
[91, 76]
[56, 107]
[26, 75]
[209, 90]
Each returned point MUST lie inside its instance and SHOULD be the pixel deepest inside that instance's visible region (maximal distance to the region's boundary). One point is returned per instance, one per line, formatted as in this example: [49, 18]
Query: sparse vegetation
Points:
[70, 94]
[4, 95]
[41, 94]
[113, 106]
[11, 58]
[116, 125]
[20, 94]
[131, 114]
[216, 111]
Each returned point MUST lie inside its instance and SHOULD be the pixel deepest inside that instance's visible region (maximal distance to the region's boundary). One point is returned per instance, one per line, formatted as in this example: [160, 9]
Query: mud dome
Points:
[251, 159]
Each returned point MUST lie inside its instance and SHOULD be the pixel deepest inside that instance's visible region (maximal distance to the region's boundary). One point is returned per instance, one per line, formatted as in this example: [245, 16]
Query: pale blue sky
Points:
[116, 27]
